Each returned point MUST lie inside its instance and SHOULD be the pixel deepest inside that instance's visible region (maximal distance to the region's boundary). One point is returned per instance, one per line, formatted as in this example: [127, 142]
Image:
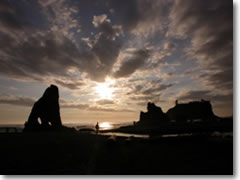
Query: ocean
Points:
[13, 128]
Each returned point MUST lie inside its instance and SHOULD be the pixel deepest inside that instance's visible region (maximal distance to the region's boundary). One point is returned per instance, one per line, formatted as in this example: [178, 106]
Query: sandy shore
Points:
[82, 153]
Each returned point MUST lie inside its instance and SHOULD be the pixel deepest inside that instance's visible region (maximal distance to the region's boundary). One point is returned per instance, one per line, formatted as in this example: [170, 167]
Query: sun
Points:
[104, 90]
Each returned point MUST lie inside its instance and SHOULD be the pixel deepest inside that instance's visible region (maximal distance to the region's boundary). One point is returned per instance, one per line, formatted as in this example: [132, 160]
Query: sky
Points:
[110, 58]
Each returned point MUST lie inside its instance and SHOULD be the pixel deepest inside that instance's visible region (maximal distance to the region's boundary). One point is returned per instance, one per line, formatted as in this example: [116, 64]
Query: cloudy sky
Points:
[109, 58]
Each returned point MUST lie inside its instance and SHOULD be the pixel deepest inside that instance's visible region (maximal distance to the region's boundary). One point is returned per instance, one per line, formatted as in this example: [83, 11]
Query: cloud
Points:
[61, 16]
[16, 100]
[74, 84]
[141, 17]
[209, 26]
[147, 87]
[36, 54]
[8, 16]
[129, 66]
[29, 52]
[97, 108]
[160, 54]
[99, 20]
[157, 89]
[169, 46]
[106, 50]
[89, 107]
[146, 98]
[206, 95]
[220, 80]
[29, 101]
[195, 95]
[72, 105]
[11, 18]
[70, 45]
[105, 101]
[145, 91]
[45, 3]
[103, 23]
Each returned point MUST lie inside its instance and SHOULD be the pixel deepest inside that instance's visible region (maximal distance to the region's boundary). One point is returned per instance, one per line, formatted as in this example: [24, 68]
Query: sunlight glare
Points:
[105, 125]
[104, 90]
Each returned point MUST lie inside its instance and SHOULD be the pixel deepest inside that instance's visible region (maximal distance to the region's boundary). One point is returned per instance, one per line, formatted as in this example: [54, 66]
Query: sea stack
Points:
[180, 113]
[201, 110]
[153, 116]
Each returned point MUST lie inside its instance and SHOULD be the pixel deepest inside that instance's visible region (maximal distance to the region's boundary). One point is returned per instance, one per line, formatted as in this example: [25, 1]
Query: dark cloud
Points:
[56, 52]
[169, 46]
[40, 54]
[105, 101]
[28, 52]
[38, 57]
[219, 80]
[128, 11]
[8, 16]
[8, 19]
[104, 24]
[129, 66]
[209, 25]
[106, 50]
[37, 54]
[142, 16]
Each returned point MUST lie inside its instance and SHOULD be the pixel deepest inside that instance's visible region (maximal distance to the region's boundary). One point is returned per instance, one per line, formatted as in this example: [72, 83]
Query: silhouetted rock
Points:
[201, 110]
[154, 115]
[47, 109]
[193, 110]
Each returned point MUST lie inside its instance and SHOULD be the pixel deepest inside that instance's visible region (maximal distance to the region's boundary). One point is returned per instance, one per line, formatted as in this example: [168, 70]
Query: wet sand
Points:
[84, 153]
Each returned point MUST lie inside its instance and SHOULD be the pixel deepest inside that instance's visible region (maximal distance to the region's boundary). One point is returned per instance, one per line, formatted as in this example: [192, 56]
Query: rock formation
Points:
[154, 115]
[47, 110]
[180, 113]
[190, 111]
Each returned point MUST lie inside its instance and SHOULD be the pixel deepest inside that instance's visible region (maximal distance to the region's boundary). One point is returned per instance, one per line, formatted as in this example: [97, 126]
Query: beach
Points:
[90, 154]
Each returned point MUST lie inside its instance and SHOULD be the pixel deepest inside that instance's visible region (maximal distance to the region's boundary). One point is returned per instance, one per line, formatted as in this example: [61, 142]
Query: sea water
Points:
[12, 128]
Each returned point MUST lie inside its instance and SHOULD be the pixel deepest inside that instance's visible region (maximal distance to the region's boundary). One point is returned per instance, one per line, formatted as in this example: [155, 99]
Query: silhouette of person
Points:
[176, 102]
[47, 109]
[97, 128]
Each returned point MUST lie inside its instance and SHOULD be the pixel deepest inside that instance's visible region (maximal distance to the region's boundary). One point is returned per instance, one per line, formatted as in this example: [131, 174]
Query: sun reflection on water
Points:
[105, 125]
